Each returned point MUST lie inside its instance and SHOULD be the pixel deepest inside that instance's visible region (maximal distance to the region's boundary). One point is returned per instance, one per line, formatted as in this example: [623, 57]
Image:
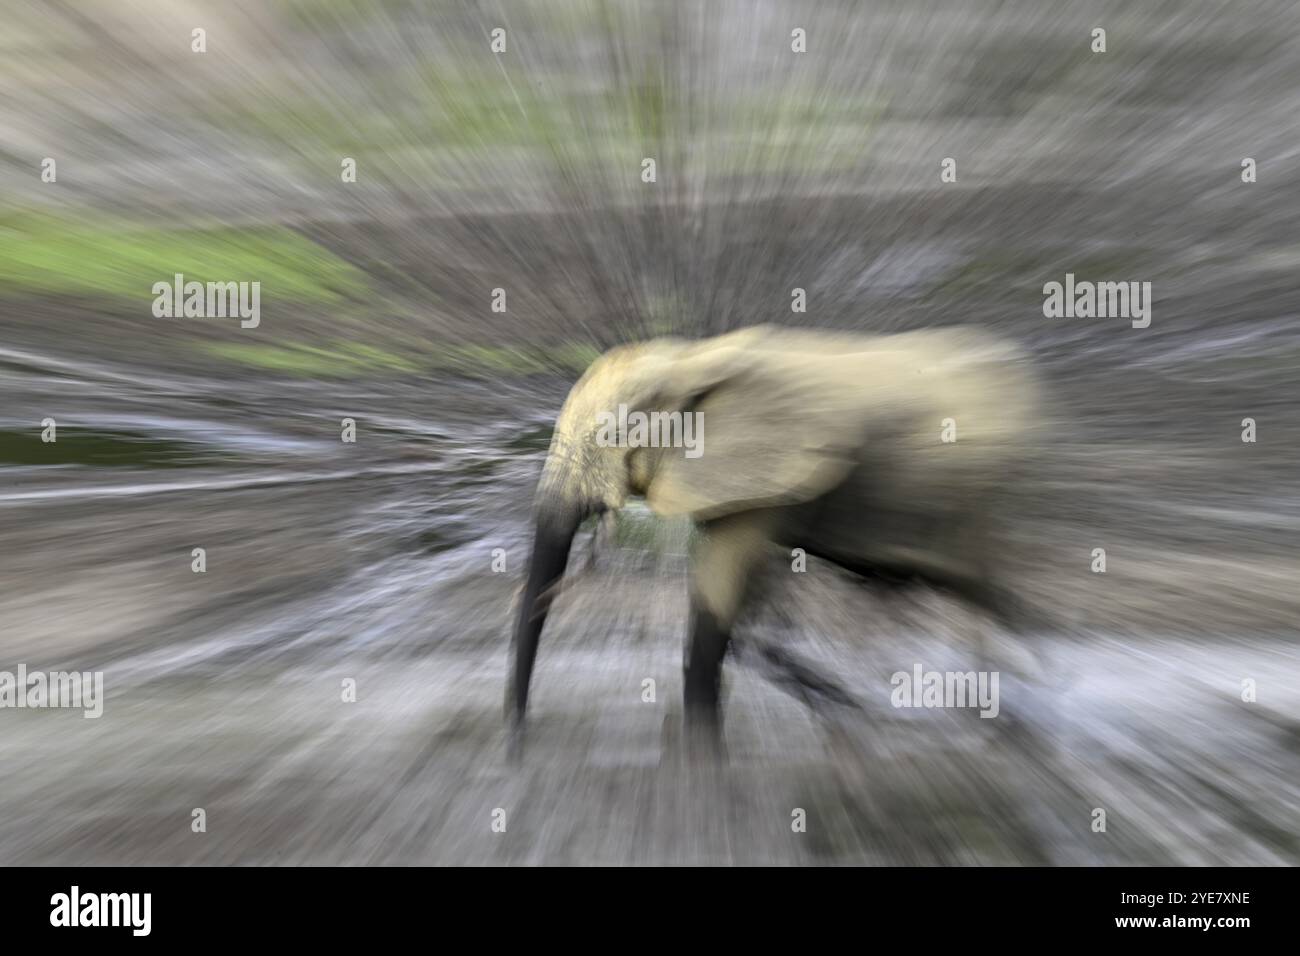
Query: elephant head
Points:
[781, 418]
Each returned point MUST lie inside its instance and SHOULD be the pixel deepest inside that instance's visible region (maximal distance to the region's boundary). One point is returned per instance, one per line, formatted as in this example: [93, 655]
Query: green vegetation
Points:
[637, 528]
[346, 359]
[342, 360]
[995, 272]
[488, 360]
[474, 106]
[106, 449]
[45, 254]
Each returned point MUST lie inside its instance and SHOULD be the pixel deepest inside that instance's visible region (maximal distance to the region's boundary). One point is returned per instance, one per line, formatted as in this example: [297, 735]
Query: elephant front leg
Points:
[726, 554]
[702, 677]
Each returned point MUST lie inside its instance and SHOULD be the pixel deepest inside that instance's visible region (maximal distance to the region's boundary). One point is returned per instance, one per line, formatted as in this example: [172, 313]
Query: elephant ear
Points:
[771, 432]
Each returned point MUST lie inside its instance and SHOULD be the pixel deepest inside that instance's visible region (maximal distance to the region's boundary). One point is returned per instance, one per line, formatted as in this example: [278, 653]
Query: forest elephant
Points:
[893, 456]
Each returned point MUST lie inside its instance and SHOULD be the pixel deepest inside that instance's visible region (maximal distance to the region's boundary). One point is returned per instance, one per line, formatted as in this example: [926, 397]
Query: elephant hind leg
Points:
[1013, 614]
[803, 681]
[1029, 714]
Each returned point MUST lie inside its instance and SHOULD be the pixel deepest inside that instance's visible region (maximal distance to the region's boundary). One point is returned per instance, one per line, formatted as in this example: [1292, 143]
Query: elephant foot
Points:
[515, 744]
[702, 736]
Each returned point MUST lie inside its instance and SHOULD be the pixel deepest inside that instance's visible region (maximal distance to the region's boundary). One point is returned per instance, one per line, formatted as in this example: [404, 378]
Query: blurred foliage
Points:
[1024, 269]
[345, 359]
[443, 107]
[95, 256]
[103, 449]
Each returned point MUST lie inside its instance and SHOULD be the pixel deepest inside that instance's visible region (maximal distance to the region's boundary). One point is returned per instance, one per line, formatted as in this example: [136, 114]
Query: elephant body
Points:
[895, 456]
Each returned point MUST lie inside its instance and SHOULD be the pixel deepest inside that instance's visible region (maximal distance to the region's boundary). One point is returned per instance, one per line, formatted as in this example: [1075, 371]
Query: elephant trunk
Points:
[556, 527]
